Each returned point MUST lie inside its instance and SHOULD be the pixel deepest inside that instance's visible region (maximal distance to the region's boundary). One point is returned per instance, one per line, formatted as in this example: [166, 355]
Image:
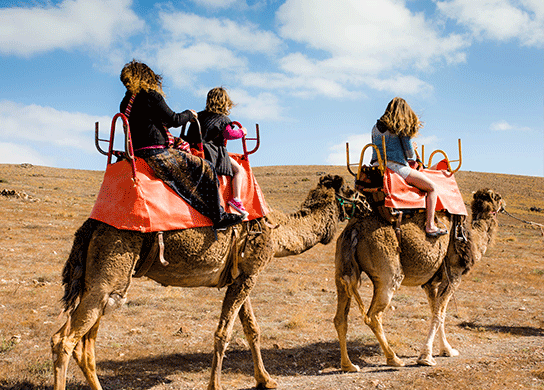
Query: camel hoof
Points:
[395, 362]
[452, 352]
[269, 384]
[426, 360]
[351, 368]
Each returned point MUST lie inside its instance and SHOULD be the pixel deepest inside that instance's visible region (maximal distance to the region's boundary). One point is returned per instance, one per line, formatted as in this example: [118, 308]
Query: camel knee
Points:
[339, 322]
[221, 341]
[59, 344]
[114, 301]
[373, 319]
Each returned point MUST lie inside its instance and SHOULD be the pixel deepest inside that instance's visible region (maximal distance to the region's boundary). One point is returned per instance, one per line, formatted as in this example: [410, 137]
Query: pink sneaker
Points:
[238, 206]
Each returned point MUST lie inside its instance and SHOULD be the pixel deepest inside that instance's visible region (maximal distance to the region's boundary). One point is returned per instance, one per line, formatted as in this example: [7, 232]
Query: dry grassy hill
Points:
[163, 337]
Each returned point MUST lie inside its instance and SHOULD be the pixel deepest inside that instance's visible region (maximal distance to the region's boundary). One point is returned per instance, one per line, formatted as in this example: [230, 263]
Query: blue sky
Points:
[314, 74]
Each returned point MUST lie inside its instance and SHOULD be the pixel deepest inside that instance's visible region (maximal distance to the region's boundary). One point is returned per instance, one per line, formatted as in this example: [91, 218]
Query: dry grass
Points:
[162, 337]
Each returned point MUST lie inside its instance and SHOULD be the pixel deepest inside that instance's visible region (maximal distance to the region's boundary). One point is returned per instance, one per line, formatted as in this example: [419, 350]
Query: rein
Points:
[541, 226]
[353, 202]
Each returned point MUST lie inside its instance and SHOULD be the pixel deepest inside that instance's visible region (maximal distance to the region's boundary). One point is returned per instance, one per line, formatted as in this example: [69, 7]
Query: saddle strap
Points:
[398, 231]
[156, 252]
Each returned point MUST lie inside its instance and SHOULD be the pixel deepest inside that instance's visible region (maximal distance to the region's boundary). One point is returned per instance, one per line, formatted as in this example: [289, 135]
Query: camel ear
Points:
[332, 181]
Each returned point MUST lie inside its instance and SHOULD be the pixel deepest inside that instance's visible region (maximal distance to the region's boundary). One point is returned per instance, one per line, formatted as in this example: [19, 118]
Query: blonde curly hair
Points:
[400, 119]
[137, 76]
[218, 101]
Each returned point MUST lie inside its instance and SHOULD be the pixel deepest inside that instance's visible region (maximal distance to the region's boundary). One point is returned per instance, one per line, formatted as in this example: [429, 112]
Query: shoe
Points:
[238, 206]
[437, 233]
[228, 220]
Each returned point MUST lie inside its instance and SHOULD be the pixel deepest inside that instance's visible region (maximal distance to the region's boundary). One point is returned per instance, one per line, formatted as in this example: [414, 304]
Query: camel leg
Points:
[341, 325]
[235, 297]
[63, 343]
[107, 280]
[438, 309]
[84, 356]
[380, 301]
[253, 336]
[445, 347]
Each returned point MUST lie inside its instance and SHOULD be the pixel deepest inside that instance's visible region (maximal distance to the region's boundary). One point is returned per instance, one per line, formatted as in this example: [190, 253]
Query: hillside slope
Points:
[163, 337]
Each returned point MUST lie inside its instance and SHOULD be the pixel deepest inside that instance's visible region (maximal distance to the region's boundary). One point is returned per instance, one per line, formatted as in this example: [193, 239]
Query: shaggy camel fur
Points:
[368, 244]
[101, 264]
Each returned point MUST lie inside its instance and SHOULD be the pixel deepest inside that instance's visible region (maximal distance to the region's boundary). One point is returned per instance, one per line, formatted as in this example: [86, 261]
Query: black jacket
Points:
[212, 126]
[148, 116]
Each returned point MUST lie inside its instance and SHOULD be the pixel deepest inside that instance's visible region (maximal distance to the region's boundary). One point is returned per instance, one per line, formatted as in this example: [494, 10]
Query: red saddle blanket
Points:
[401, 195]
[147, 204]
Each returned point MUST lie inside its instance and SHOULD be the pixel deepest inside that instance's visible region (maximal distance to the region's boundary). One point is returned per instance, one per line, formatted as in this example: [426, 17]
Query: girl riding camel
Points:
[191, 177]
[399, 124]
[216, 128]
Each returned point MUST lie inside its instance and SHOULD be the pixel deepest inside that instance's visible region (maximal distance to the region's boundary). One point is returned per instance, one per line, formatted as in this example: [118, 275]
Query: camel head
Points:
[337, 183]
[351, 203]
[486, 204]
[325, 197]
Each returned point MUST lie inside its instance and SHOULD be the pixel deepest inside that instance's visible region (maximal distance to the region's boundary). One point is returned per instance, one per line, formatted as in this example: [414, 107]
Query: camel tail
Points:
[73, 274]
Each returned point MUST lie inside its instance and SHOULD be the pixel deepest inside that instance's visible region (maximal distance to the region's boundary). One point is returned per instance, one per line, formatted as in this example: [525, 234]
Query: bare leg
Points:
[236, 179]
[419, 180]
[253, 335]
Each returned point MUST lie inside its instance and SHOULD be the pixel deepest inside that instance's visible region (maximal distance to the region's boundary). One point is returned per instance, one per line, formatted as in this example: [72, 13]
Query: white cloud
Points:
[243, 36]
[215, 3]
[11, 153]
[302, 77]
[505, 126]
[194, 45]
[46, 125]
[25, 31]
[372, 42]
[371, 37]
[375, 45]
[501, 126]
[183, 63]
[500, 20]
[265, 106]
[401, 85]
[357, 142]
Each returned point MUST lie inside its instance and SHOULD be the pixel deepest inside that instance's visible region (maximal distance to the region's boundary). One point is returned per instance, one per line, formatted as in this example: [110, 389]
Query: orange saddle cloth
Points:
[147, 204]
[401, 195]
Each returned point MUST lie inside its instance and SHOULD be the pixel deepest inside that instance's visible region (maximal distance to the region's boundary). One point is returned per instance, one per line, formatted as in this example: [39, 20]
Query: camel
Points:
[100, 268]
[369, 244]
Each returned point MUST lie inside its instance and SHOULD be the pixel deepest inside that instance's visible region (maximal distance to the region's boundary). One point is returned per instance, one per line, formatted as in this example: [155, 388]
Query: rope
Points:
[541, 226]
[355, 202]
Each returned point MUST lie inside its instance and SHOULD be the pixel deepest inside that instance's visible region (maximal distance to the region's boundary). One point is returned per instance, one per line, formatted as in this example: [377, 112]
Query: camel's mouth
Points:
[351, 206]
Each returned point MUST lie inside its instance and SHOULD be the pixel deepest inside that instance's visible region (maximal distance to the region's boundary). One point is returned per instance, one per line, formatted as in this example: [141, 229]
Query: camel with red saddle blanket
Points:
[395, 252]
[104, 260]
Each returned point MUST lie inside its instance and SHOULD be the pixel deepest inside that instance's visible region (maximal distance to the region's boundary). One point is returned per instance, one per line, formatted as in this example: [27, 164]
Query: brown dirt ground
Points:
[163, 337]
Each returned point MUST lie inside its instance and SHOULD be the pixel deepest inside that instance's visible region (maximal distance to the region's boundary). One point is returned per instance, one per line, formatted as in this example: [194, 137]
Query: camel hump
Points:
[147, 204]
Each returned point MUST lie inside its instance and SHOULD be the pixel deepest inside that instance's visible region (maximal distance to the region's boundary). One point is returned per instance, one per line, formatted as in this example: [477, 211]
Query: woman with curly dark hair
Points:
[191, 177]
[399, 124]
